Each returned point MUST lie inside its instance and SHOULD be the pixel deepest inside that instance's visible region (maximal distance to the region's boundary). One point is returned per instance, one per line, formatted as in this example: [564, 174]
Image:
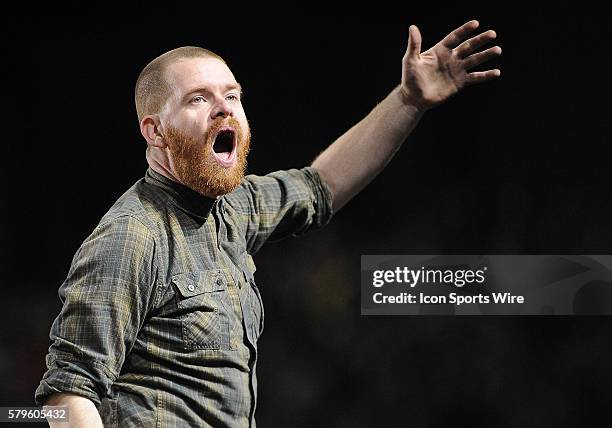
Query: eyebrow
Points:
[205, 89]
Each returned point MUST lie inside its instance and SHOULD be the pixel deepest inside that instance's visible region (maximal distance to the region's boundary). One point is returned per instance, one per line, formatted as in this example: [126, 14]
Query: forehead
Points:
[191, 73]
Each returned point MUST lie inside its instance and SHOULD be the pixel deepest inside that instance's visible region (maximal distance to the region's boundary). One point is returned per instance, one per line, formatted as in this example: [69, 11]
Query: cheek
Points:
[198, 129]
[244, 123]
[194, 129]
[192, 122]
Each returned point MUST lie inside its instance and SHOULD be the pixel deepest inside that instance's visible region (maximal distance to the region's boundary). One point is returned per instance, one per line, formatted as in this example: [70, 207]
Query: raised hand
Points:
[431, 77]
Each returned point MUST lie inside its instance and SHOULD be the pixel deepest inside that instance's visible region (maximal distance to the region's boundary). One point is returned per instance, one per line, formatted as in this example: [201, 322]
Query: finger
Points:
[482, 76]
[469, 46]
[480, 57]
[414, 41]
[457, 36]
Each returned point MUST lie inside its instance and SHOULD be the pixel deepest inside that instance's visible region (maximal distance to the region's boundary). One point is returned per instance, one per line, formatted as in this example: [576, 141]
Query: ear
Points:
[151, 130]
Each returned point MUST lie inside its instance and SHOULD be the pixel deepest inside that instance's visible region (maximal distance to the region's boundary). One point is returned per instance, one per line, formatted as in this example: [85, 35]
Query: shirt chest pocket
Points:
[200, 301]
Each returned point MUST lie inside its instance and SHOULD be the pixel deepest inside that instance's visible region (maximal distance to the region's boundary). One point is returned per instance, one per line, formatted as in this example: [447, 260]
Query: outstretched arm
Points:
[428, 79]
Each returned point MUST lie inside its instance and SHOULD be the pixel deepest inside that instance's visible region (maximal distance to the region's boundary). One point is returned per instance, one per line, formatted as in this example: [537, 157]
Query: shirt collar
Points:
[184, 197]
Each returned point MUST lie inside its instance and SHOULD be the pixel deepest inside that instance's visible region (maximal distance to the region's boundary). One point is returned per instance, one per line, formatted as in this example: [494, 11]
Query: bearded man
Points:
[161, 313]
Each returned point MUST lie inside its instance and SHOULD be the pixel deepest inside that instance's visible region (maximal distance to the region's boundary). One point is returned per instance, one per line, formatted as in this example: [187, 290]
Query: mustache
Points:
[219, 123]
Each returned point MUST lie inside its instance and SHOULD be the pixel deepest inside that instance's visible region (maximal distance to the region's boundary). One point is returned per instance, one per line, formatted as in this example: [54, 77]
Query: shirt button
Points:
[191, 287]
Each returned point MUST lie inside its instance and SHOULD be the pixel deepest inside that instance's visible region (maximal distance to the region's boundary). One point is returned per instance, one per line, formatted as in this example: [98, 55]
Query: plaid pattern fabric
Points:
[161, 313]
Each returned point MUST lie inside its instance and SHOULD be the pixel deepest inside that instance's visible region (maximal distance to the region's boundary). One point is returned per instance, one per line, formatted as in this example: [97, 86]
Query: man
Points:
[161, 313]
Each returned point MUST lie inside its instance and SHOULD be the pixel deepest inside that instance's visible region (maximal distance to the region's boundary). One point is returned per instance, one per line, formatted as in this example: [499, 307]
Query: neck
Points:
[160, 163]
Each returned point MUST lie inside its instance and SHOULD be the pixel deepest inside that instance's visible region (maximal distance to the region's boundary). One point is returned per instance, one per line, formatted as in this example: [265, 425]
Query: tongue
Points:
[224, 155]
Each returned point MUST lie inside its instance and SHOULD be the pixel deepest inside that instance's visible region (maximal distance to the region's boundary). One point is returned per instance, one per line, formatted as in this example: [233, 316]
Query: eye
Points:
[232, 97]
[198, 99]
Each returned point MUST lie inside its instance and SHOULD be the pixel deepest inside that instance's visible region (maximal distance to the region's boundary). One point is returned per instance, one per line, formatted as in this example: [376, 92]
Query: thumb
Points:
[414, 41]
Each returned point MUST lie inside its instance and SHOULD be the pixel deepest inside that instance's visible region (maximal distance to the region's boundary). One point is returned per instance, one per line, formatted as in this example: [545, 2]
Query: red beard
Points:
[195, 165]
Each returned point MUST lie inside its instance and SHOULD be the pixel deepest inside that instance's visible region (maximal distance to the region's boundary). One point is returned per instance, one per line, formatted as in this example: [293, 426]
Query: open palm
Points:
[433, 76]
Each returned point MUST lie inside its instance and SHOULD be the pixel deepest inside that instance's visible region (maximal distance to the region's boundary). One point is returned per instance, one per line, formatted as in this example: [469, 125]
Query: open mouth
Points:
[224, 147]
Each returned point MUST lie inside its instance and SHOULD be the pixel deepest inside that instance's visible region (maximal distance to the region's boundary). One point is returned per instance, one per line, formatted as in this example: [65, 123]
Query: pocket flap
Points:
[193, 283]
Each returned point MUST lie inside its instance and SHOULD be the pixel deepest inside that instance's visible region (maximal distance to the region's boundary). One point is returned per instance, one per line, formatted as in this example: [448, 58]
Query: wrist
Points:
[410, 100]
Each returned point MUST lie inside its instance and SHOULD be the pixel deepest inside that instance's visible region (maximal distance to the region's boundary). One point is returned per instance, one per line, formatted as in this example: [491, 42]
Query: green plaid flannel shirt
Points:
[161, 313]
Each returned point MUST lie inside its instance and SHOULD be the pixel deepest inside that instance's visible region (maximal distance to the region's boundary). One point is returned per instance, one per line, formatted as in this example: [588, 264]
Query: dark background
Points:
[519, 165]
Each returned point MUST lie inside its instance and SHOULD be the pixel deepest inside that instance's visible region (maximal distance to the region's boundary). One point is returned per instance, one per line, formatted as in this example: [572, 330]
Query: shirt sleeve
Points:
[105, 299]
[282, 204]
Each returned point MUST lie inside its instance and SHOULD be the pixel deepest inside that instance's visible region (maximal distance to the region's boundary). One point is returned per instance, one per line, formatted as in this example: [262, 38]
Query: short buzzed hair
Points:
[152, 88]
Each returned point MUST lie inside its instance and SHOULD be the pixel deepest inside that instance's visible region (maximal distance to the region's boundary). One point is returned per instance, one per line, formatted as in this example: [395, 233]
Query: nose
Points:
[222, 108]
